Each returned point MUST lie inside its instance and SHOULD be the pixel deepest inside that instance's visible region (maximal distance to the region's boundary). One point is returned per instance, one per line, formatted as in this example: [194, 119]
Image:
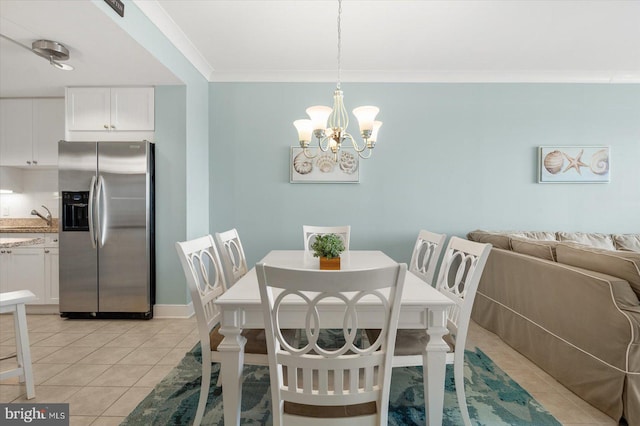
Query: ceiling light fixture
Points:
[329, 125]
[53, 51]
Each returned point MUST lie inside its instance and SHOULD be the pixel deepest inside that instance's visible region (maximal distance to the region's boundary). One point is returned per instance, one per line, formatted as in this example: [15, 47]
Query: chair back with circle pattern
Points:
[232, 255]
[460, 273]
[337, 374]
[206, 282]
[426, 253]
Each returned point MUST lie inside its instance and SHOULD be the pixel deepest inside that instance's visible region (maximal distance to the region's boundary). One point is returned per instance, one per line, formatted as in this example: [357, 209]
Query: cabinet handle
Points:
[55, 241]
[28, 162]
[46, 251]
[8, 251]
[113, 127]
[106, 127]
[35, 162]
[2, 251]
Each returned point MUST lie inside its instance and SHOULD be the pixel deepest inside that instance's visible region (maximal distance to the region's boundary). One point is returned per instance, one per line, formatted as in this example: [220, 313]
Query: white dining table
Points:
[422, 307]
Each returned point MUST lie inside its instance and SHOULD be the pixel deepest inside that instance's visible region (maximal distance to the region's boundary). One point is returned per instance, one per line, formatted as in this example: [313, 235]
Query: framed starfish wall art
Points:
[574, 164]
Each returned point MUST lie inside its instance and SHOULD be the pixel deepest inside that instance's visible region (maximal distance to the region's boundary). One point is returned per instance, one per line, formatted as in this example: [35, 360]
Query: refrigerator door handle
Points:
[92, 232]
[102, 213]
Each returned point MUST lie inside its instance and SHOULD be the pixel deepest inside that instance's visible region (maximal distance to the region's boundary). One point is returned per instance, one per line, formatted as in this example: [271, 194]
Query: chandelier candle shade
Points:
[329, 125]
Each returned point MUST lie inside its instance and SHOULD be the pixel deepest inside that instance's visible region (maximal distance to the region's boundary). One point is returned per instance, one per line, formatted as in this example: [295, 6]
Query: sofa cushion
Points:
[603, 241]
[536, 235]
[496, 239]
[628, 242]
[537, 248]
[625, 265]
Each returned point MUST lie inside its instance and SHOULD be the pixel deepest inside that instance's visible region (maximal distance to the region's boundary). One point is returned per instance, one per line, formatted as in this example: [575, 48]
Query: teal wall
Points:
[450, 158]
[182, 151]
[171, 135]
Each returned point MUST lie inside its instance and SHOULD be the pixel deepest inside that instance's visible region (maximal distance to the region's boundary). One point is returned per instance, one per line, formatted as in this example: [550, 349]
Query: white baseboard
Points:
[159, 311]
[173, 311]
[43, 309]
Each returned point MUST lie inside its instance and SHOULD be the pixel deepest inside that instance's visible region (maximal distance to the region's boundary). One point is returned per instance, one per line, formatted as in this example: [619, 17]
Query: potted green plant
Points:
[328, 248]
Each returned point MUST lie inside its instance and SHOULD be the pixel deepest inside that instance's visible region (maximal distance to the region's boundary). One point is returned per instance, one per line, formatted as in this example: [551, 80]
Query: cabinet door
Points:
[4, 262]
[132, 108]
[88, 108]
[48, 129]
[15, 129]
[25, 271]
[51, 276]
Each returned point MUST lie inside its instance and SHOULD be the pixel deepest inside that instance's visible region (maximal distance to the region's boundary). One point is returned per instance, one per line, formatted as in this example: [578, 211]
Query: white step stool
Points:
[14, 301]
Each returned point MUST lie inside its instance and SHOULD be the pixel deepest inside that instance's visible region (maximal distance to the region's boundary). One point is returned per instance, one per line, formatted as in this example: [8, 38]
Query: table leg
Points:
[434, 366]
[231, 351]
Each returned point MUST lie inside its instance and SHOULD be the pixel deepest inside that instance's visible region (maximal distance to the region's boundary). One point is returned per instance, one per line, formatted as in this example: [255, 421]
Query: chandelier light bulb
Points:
[366, 115]
[304, 127]
[319, 115]
[374, 133]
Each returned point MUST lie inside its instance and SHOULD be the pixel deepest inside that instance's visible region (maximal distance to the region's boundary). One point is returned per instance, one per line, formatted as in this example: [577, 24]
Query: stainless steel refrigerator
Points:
[107, 244]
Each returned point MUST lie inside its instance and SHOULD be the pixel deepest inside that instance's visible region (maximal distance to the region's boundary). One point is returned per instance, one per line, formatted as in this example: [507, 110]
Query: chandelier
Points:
[329, 125]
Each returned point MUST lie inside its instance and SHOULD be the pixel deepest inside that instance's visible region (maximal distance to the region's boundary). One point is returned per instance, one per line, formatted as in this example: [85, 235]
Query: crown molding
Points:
[362, 76]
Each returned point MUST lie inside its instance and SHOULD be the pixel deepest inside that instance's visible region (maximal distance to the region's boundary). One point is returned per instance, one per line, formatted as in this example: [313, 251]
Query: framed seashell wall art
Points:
[323, 168]
[574, 164]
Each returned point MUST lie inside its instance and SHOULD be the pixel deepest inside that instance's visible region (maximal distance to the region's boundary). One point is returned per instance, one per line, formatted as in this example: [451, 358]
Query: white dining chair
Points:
[315, 384]
[206, 282]
[425, 256]
[311, 232]
[234, 261]
[458, 279]
[14, 302]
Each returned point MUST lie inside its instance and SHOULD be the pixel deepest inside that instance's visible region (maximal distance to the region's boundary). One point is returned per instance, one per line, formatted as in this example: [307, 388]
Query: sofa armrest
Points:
[596, 313]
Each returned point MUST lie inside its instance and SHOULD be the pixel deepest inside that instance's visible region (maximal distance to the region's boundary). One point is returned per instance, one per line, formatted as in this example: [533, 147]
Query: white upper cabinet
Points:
[132, 108]
[16, 119]
[48, 129]
[88, 108]
[117, 109]
[30, 130]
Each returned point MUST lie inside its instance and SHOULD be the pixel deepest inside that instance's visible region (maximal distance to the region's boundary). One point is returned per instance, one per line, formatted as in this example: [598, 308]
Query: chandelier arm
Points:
[326, 140]
[305, 151]
[354, 143]
[370, 151]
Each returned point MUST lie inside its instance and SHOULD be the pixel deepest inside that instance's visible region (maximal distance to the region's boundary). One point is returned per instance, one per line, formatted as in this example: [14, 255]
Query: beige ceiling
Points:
[295, 40]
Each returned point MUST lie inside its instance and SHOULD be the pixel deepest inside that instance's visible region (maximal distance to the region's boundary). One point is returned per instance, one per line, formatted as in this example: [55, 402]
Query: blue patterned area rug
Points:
[493, 397]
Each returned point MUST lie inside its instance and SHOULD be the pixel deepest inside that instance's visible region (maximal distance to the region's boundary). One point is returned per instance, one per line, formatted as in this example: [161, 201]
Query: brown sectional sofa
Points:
[573, 309]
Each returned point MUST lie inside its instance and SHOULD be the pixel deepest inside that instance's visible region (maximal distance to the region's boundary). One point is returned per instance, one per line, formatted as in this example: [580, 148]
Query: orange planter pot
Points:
[332, 264]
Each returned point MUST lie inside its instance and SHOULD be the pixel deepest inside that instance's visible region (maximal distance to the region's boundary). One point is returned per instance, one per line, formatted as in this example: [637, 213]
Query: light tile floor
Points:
[104, 368]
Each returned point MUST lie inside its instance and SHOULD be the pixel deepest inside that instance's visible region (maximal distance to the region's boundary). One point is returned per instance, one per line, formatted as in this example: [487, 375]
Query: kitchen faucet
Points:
[48, 218]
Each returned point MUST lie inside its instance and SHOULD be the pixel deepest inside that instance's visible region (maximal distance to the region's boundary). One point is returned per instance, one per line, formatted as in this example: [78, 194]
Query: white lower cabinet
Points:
[33, 268]
[24, 270]
[51, 276]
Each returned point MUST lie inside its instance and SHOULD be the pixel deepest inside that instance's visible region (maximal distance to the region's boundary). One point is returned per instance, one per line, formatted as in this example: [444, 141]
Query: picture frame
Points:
[322, 168]
[574, 164]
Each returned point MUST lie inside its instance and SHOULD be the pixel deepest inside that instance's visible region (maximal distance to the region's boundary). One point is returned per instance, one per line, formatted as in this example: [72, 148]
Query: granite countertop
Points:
[19, 242]
[28, 225]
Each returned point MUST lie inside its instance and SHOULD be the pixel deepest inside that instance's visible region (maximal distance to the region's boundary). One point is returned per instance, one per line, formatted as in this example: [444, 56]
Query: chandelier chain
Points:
[339, 41]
